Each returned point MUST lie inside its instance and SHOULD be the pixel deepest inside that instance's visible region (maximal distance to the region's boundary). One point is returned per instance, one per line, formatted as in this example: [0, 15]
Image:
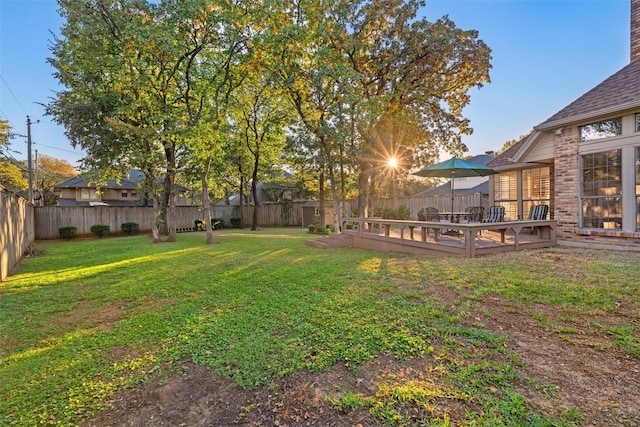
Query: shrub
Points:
[68, 232]
[236, 221]
[199, 224]
[130, 228]
[388, 213]
[403, 212]
[329, 228]
[100, 229]
[312, 228]
[218, 223]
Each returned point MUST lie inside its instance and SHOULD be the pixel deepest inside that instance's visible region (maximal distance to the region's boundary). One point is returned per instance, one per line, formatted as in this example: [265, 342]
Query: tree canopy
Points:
[168, 86]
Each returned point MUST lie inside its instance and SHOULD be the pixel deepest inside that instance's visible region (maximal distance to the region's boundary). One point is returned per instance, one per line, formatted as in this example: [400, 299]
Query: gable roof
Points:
[83, 182]
[618, 92]
[506, 158]
[135, 176]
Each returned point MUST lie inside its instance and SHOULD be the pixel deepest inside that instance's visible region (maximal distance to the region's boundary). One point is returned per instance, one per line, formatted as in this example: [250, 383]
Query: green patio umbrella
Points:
[455, 168]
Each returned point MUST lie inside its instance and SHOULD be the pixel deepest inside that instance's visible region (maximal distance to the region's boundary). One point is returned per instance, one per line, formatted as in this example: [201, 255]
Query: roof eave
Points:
[580, 117]
[512, 166]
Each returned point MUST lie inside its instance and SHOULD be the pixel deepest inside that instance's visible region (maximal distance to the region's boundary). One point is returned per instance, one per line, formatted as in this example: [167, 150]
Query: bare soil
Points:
[587, 373]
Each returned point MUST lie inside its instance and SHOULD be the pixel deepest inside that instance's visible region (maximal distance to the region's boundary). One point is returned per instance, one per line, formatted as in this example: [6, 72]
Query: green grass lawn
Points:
[89, 317]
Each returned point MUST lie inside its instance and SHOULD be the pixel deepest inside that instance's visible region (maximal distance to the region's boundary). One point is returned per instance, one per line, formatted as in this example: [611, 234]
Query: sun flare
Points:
[392, 162]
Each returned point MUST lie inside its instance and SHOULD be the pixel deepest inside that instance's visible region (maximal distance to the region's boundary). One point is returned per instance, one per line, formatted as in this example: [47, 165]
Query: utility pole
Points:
[29, 168]
[29, 165]
[35, 175]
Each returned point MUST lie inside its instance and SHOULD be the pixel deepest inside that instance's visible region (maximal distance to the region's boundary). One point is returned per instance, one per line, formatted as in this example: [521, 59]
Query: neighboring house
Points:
[476, 184]
[584, 162]
[79, 191]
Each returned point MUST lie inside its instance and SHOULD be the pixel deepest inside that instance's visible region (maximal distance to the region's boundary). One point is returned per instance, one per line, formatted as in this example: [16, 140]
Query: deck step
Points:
[332, 241]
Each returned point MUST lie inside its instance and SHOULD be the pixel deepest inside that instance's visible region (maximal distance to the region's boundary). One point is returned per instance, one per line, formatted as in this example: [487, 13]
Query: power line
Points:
[56, 148]
[13, 94]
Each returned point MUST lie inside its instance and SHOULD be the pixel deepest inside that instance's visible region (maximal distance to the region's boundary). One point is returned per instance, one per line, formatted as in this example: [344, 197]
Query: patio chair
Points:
[474, 213]
[429, 214]
[494, 214]
[537, 213]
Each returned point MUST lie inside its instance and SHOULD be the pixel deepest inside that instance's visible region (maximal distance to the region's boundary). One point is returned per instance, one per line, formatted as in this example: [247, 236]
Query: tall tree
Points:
[260, 118]
[12, 177]
[128, 68]
[312, 75]
[207, 85]
[411, 81]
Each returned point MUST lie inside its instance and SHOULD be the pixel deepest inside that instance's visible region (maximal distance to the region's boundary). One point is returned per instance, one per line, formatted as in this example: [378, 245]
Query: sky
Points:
[545, 54]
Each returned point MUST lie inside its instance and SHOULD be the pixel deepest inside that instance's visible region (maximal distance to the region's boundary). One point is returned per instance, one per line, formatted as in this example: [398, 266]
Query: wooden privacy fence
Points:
[48, 219]
[16, 229]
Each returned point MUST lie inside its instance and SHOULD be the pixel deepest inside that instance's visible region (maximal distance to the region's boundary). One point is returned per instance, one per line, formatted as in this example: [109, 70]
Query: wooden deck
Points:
[444, 238]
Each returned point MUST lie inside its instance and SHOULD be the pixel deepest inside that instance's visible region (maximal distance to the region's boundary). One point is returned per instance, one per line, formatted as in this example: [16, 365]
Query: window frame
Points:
[510, 203]
[544, 192]
[597, 200]
[597, 135]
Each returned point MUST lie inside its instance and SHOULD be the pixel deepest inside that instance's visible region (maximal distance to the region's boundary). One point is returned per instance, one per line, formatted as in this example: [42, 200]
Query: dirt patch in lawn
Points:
[569, 358]
[582, 373]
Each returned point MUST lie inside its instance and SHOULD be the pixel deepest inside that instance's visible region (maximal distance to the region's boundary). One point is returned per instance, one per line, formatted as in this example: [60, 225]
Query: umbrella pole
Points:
[453, 175]
[452, 232]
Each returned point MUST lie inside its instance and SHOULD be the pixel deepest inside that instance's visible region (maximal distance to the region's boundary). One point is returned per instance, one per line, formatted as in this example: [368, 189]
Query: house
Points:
[80, 191]
[584, 162]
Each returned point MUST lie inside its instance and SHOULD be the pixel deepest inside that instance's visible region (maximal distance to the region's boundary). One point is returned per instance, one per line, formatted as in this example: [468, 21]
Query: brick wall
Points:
[566, 183]
[635, 29]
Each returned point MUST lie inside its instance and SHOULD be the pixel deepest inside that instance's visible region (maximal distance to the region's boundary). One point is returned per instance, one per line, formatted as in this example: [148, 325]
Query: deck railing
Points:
[462, 239]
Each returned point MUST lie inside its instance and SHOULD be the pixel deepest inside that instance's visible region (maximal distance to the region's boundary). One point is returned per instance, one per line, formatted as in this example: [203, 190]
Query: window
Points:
[600, 130]
[638, 122]
[124, 194]
[133, 194]
[601, 190]
[536, 188]
[506, 194]
[88, 194]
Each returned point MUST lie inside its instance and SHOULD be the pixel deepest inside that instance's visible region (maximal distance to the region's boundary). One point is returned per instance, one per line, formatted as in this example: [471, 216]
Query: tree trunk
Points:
[337, 205]
[170, 192]
[321, 207]
[206, 202]
[154, 224]
[241, 201]
[363, 192]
